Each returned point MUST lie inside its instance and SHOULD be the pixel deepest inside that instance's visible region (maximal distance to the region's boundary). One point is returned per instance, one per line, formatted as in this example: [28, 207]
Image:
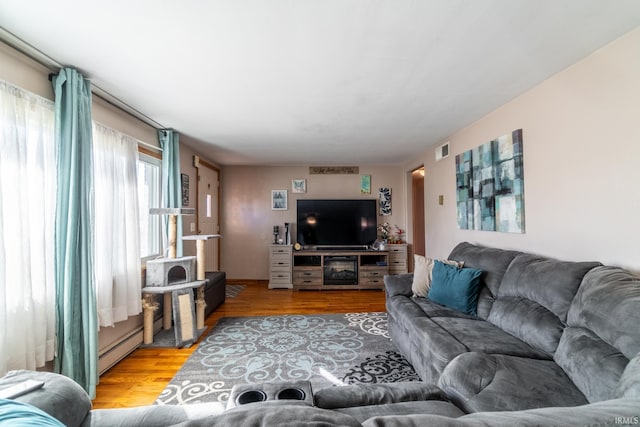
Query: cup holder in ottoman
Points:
[291, 394]
[243, 394]
[250, 396]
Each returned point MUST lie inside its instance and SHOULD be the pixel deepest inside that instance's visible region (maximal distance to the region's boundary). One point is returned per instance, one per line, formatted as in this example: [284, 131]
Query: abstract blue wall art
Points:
[490, 186]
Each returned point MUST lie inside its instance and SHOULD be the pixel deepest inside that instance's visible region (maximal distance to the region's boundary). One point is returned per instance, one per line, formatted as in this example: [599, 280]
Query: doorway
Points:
[208, 209]
[417, 214]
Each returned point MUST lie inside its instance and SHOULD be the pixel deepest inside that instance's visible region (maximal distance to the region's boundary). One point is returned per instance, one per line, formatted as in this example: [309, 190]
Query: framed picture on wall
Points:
[385, 201]
[365, 184]
[299, 186]
[184, 178]
[279, 200]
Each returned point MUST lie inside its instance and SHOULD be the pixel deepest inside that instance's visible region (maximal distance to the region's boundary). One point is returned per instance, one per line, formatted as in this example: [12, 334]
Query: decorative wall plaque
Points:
[334, 170]
[385, 201]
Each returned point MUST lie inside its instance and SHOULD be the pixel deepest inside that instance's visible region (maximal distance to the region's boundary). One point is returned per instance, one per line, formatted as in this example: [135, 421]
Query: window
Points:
[27, 212]
[116, 234]
[149, 197]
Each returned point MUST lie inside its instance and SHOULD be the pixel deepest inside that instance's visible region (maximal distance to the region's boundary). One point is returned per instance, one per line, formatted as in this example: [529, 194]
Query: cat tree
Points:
[175, 278]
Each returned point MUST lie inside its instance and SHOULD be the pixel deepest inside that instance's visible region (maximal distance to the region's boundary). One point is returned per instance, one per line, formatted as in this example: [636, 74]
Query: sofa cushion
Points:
[602, 333]
[479, 382]
[611, 413]
[423, 274]
[528, 321]
[275, 413]
[433, 309]
[481, 336]
[493, 262]
[629, 384]
[608, 303]
[434, 407]
[455, 287]
[534, 298]
[593, 365]
[434, 342]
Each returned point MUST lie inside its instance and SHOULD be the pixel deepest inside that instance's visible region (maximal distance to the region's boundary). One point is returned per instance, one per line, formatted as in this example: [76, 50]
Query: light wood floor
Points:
[141, 376]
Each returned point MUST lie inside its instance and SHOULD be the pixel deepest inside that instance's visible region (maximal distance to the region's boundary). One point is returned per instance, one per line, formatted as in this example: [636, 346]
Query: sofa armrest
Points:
[151, 415]
[376, 394]
[399, 284]
[60, 396]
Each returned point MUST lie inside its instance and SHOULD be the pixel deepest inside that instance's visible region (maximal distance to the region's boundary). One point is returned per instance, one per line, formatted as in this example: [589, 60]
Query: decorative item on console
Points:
[398, 236]
[385, 231]
[287, 234]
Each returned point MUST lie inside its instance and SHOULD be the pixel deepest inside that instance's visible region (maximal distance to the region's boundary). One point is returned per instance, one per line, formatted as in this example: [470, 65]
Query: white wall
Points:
[581, 132]
[247, 219]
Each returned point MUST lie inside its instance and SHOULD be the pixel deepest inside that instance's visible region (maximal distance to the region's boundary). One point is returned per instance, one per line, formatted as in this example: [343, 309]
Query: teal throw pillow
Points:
[15, 413]
[455, 287]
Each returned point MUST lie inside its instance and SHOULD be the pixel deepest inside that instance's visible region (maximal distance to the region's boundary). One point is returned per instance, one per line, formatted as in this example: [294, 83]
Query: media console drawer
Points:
[397, 258]
[280, 266]
[307, 277]
[372, 277]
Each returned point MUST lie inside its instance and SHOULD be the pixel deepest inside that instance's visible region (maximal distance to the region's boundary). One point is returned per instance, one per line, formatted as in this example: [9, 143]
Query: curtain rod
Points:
[138, 142]
[42, 58]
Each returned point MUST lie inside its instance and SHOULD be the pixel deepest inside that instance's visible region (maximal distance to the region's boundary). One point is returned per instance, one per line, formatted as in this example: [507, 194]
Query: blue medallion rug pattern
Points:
[326, 350]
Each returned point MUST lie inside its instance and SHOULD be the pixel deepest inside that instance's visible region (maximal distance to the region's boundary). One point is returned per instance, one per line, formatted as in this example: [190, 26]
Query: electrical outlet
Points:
[192, 226]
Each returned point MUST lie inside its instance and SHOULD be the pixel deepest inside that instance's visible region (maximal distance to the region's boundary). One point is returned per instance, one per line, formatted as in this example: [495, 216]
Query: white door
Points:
[209, 212]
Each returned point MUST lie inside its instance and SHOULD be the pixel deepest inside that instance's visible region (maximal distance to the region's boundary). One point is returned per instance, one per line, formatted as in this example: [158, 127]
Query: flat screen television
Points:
[336, 222]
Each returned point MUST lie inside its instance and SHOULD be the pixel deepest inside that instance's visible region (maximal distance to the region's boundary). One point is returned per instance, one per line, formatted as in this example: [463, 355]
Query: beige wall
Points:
[23, 72]
[188, 149]
[581, 137]
[247, 218]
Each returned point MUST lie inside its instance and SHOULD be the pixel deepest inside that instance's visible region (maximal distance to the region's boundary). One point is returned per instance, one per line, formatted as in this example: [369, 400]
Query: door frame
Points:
[418, 213]
[197, 163]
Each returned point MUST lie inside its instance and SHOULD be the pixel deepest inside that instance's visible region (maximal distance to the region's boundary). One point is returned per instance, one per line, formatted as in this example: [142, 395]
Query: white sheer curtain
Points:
[27, 211]
[117, 235]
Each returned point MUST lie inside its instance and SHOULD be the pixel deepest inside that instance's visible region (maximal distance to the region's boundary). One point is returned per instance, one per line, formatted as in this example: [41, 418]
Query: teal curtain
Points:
[171, 183]
[76, 316]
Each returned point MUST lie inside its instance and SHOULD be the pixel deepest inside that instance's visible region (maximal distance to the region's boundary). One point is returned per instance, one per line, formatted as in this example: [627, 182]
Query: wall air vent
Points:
[442, 151]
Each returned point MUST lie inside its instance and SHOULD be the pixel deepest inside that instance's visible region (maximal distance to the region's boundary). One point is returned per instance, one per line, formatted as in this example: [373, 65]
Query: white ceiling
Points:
[323, 82]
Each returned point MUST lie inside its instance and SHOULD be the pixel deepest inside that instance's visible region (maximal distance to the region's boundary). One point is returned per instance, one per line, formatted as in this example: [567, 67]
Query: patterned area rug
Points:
[326, 350]
[232, 291]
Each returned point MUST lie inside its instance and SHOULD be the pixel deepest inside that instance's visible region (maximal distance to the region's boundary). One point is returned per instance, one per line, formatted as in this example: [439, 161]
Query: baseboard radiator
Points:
[121, 349]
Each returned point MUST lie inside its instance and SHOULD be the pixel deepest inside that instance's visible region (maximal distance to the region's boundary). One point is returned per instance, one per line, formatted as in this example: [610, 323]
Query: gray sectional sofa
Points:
[547, 333]
[551, 343]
